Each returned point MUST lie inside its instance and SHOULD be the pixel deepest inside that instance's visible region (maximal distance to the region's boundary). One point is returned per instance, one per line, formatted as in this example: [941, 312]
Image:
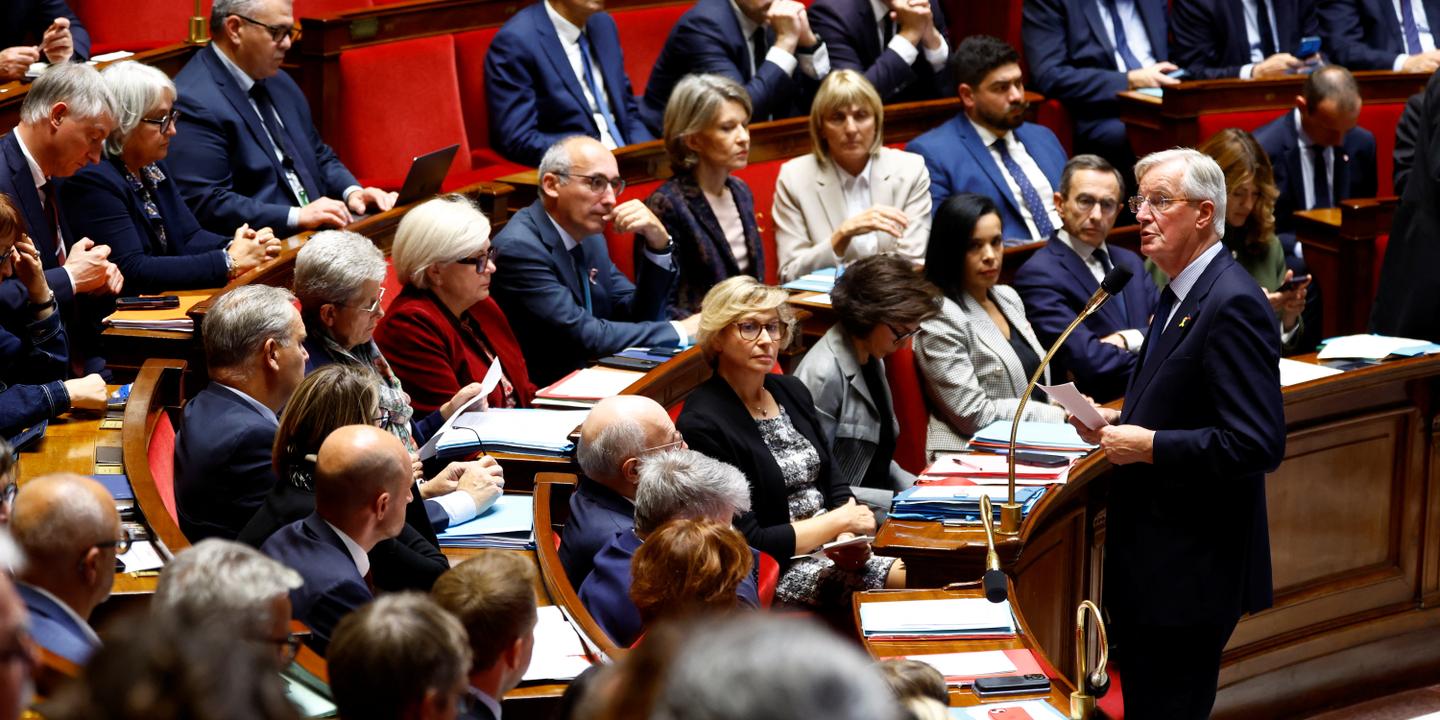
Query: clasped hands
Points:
[1122, 444]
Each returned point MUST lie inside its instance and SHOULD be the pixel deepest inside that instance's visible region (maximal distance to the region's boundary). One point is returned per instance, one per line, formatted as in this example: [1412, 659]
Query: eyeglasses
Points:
[1158, 203]
[678, 441]
[164, 122]
[278, 33]
[1087, 204]
[121, 545]
[597, 182]
[902, 337]
[483, 260]
[750, 330]
[372, 307]
[8, 493]
[383, 418]
[289, 645]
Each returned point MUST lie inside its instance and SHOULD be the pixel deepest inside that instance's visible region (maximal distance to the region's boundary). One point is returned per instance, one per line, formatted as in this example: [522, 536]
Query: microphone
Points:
[1114, 282]
[995, 590]
[1090, 683]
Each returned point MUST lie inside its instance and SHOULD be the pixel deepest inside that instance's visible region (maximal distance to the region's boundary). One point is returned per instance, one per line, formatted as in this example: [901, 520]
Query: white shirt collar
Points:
[242, 78]
[1083, 249]
[485, 699]
[747, 26]
[570, 243]
[357, 553]
[569, 33]
[1301, 137]
[36, 173]
[79, 621]
[988, 137]
[260, 407]
[850, 182]
[1184, 281]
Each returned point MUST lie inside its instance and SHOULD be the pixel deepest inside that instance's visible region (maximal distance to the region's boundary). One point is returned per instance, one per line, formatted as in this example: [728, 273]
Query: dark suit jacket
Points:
[1408, 301]
[54, 628]
[708, 39]
[114, 215]
[223, 160]
[23, 22]
[221, 478]
[1210, 37]
[852, 36]
[1055, 284]
[333, 585]
[1186, 537]
[1355, 173]
[958, 162]
[1407, 137]
[702, 251]
[537, 288]
[17, 182]
[716, 423]
[34, 361]
[597, 514]
[533, 95]
[1366, 34]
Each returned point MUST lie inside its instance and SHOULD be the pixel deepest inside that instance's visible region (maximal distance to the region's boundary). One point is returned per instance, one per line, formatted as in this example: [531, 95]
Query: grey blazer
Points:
[849, 416]
[970, 373]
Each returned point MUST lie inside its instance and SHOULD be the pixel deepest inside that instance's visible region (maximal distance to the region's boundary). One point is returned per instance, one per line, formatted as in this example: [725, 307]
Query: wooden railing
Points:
[552, 510]
[158, 386]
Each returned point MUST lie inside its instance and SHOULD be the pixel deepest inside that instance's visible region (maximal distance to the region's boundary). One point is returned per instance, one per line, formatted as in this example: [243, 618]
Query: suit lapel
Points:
[1158, 349]
[1236, 21]
[1152, 13]
[1097, 25]
[972, 142]
[554, 53]
[882, 192]
[1285, 24]
[1341, 189]
[614, 75]
[710, 225]
[990, 336]
[832, 196]
[869, 31]
[29, 197]
[563, 260]
[240, 103]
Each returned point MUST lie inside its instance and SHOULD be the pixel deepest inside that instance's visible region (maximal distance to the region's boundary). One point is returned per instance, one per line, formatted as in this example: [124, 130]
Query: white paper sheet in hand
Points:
[487, 386]
[1074, 403]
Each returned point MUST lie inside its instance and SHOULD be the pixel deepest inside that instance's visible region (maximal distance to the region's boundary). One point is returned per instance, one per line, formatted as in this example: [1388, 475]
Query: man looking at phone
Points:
[564, 297]
[1245, 38]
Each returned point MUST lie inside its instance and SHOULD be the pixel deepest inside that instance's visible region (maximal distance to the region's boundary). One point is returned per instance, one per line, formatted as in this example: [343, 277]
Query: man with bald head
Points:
[566, 300]
[69, 530]
[615, 435]
[362, 483]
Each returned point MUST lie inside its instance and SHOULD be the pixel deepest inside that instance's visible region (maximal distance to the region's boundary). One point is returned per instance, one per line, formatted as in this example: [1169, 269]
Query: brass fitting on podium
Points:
[199, 29]
[1082, 701]
[1009, 518]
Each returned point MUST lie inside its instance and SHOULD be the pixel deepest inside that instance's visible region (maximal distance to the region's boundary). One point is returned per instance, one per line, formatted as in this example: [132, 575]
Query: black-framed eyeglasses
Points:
[121, 545]
[164, 122]
[750, 330]
[901, 337]
[384, 418]
[372, 307]
[483, 260]
[1158, 203]
[277, 32]
[1086, 204]
[598, 182]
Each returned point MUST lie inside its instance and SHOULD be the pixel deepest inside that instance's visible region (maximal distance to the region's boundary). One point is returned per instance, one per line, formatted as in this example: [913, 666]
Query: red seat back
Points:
[391, 285]
[470, 49]
[1382, 119]
[642, 34]
[769, 575]
[622, 247]
[1052, 114]
[135, 26]
[318, 8]
[161, 453]
[910, 411]
[1247, 120]
[761, 179]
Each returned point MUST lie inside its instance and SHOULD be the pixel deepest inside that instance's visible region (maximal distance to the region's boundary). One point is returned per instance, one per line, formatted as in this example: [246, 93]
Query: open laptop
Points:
[427, 174]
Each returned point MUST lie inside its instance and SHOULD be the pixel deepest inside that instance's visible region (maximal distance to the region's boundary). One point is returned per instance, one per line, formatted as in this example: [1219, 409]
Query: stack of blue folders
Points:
[958, 503]
[527, 431]
[1045, 437]
[508, 524]
[821, 281]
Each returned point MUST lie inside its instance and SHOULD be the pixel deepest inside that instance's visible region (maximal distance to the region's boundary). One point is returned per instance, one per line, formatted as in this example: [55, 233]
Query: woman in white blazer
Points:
[851, 197]
[977, 355]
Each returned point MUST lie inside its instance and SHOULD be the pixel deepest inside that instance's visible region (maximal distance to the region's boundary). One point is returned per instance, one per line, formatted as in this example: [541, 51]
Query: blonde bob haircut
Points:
[733, 299]
[694, 104]
[445, 229]
[841, 89]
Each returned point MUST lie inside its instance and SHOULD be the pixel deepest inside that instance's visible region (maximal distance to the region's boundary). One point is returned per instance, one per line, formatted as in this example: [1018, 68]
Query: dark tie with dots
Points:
[601, 101]
[1028, 195]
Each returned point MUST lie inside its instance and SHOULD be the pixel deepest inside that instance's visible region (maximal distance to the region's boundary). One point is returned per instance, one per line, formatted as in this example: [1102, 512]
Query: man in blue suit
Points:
[247, 150]
[69, 530]
[567, 301]
[899, 45]
[1372, 35]
[362, 485]
[1085, 52]
[1243, 38]
[255, 352]
[32, 29]
[1203, 416]
[1059, 279]
[556, 69]
[757, 43]
[989, 148]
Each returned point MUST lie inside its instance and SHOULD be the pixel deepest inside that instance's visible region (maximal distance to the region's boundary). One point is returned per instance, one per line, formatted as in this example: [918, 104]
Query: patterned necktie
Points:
[1122, 44]
[1028, 195]
[601, 101]
[269, 116]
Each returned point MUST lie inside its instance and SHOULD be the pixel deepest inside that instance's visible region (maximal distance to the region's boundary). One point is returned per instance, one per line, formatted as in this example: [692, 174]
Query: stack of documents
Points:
[1032, 709]
[508, 524]
[524, 431]
[1374, 347]
[1034, 436]
[1294, 372]
[988, 469]
[958, 504]
[960, 669]
[821, 281]
[558, 654]
[949, 619]
[585, 387]
[176, 318]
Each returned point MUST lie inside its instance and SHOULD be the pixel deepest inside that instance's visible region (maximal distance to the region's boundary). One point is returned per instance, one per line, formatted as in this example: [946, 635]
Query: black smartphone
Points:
[664, 351]
[1041, 459]
[148, 302]
[109, 455]
[1287, 287]
[1001, 685]
[628, 363]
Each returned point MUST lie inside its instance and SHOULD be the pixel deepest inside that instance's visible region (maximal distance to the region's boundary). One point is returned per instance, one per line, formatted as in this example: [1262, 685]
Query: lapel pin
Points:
[1184, 321]
[593, 273]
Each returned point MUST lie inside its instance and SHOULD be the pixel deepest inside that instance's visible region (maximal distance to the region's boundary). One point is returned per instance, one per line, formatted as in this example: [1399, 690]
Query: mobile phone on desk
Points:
[1002, 685]
[148, 302]
[1294, 281]
[628, 363]
[1041, 459]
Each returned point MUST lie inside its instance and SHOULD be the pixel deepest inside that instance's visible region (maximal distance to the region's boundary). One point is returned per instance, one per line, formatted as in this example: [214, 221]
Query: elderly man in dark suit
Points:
[1203, 411]
[1374, 35]
[362, 485]
[757, 43]
[1243, 38]
[899, 45]
[35, 29]
[565, 298]
[1059, 279]
[556, 69]
[247, 150]
[1408, 301]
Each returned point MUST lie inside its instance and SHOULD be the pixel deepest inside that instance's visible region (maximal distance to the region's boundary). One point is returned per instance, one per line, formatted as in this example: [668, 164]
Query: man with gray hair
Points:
[229, 584]
[64, 120]
[617, 433]
[674, 484]
[69, 530]
[255, 353]
[1202, 410]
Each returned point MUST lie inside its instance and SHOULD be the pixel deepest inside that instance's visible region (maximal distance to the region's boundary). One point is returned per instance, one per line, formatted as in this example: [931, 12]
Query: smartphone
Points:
[1178, 74]
[1287, 287]
[628, 363]
[1041, 459]
[151, 302]
[1001, 685]
[109, 455]
[1309, 45]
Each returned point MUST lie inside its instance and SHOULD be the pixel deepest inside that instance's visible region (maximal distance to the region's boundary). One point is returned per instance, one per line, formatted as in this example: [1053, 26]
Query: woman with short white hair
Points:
[127, 200]
[445, 330]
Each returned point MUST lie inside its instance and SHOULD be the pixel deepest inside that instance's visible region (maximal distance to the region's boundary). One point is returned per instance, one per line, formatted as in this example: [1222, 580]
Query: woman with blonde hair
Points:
[765, 424]
[851, 196]
[709, 213]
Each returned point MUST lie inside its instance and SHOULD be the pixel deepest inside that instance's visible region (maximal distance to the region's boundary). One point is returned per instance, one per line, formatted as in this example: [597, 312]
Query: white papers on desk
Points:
[141, 556]
[1036, 709]
[1374, 347]
[989, 469]
[820, 553]
[590, 385]
[527, 431]
[1294, 372]
[917, 619]
[311, 704]
[487, 386]
[969, 664]
[558, 655]
[1076, 404]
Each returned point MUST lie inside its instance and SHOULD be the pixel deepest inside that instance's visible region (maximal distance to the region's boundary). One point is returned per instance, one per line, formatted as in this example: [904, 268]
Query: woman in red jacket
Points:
[444, 331]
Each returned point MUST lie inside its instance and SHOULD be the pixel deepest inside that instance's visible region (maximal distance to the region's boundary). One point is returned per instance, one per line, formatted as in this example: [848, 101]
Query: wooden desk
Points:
[1343, 251]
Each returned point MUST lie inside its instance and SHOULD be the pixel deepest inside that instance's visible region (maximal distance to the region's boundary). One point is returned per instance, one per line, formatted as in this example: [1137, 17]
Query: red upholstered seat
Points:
[1247, 120]
[391, 285]
[1382, 119]
[161, 453]
[622, 247]
[910, 411]
[378, 133]
[1052, 114]
[318, 8]
[135, 26]
[470, 49]
[769, 576]
[761, 179]
[642, 35]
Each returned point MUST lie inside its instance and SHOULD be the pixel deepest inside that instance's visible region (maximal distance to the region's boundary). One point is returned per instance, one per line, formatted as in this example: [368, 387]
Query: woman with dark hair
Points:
[977, 355]
[880, 301]
[688, 566]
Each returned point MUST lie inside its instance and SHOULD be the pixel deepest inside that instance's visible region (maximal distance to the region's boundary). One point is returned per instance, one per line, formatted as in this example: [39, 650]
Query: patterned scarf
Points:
[144, 185]
[392, 397]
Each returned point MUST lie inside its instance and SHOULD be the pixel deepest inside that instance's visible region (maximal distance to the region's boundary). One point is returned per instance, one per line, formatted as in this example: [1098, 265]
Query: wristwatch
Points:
[810, 49]
[47, 305]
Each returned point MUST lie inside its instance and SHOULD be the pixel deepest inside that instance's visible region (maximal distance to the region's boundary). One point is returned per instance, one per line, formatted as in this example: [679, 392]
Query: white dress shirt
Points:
[1252, 32]
[1134, 339]
[570, 40]
[904, 48]
[815, 65]
[38, 176]
[357, 553]
[1307, 164]
[1422, 23]
[1032, 173]
[1137, 37]
[856, 189]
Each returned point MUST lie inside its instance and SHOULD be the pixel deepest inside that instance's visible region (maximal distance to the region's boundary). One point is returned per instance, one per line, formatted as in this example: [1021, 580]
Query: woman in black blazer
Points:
[765, 424]
[128, 202]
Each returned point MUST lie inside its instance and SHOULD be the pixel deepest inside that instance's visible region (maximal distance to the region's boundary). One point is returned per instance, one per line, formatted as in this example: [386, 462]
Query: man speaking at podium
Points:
[1187, 549]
